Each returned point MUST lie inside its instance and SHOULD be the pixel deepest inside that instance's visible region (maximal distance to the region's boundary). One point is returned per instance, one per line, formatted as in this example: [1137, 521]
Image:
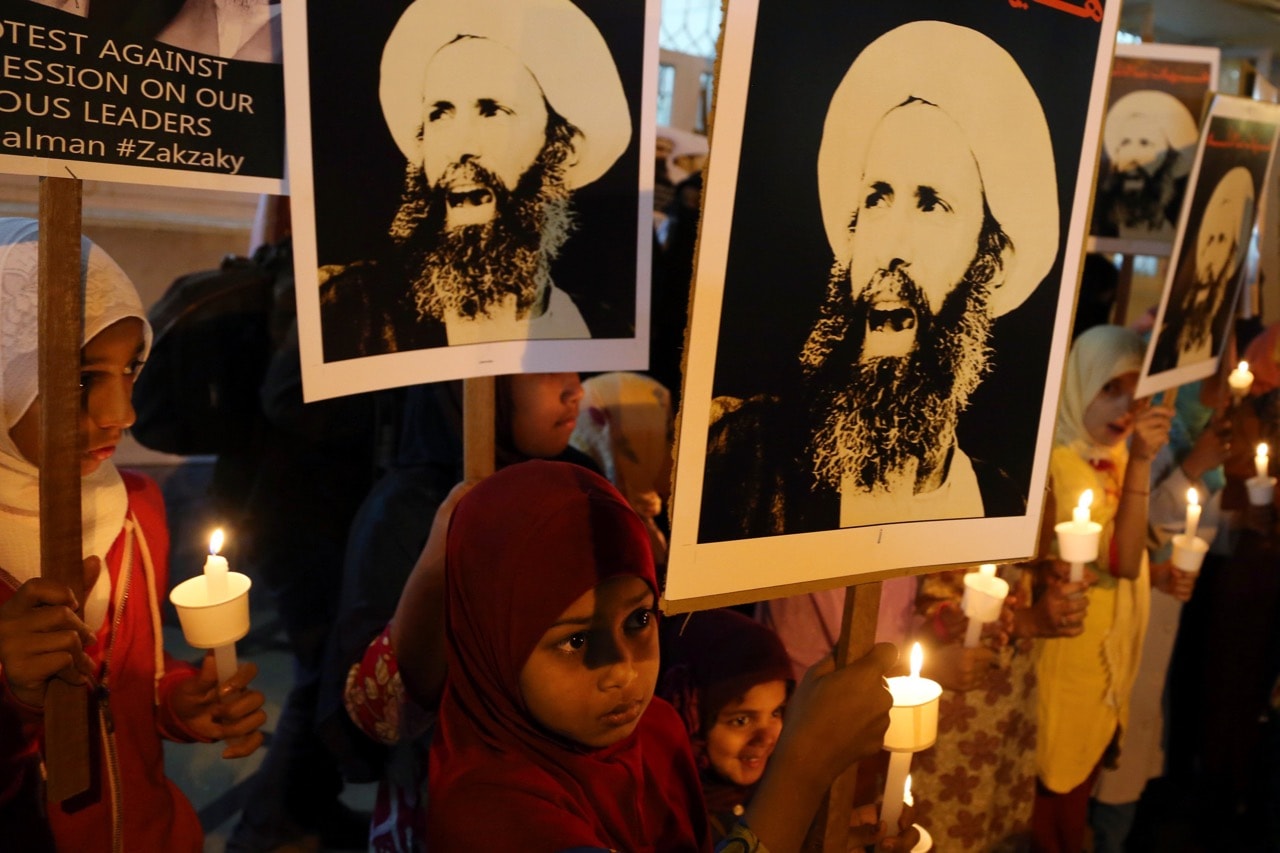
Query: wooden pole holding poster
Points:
[478, 417]
[61, 304]
[830, 829]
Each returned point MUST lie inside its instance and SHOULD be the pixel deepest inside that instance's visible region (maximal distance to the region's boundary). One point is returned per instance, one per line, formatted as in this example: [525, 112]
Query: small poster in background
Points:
[143, 93]
[895, 216]
[1232, 165]
[1158, 93]
[472, 188]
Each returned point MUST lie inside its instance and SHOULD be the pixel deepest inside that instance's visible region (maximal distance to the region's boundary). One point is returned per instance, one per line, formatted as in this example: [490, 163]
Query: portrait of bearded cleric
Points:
[502, 112]
[1195, 321]
[1150, 141]
[939, 201]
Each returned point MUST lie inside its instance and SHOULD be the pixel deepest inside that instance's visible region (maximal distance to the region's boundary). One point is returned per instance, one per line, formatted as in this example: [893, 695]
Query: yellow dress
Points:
[1084, 682]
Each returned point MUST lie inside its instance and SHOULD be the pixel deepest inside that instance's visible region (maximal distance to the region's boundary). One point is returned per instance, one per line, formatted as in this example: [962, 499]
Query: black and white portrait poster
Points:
[1232, 163]
[186, 93]
[896, 211]
[1157, 96]
[469, 192]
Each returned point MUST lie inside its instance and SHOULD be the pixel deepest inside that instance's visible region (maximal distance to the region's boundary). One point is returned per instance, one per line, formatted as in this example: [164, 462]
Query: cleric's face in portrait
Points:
[917, 230]
[484, 123]
[1217, 241]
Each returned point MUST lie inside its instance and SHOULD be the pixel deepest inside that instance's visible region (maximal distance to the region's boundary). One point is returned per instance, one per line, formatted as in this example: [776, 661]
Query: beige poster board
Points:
[821, 124]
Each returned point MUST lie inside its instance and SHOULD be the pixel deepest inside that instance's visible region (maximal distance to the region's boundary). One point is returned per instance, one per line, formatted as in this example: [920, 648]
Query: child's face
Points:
[544, 411]
[109, 362]
[593, 672]
[745, 732]
[1109, 416]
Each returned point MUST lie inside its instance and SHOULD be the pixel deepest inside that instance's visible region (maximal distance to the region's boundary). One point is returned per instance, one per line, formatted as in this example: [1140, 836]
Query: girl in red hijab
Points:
[549, 737]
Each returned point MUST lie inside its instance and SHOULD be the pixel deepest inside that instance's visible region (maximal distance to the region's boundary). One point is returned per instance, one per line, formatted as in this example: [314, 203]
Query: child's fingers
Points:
[244, 675]
[242, 747]
[40, 592]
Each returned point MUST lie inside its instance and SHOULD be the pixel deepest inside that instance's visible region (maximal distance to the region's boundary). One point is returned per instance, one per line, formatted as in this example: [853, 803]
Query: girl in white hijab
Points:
[1104, 441]
[138, 694]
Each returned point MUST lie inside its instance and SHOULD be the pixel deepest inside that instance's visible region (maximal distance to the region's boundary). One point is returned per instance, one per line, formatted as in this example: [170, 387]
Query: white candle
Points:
[984, 595]
[1080, 515]
[1193, 512]
[215, 570]
[219, 590]
[1260, 461]
[1240, 380]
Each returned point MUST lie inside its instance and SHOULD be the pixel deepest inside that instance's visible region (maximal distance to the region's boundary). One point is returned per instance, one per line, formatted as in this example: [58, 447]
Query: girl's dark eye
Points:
[640, 619]
[574, 642]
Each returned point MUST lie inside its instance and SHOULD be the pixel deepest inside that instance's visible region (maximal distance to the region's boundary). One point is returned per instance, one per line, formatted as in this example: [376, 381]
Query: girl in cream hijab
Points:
[138, 694]
[1104, 440]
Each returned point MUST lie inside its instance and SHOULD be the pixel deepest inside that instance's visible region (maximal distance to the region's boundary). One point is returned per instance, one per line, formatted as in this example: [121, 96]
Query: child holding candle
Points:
[1084, 682]
[139, 695]
[549, 737]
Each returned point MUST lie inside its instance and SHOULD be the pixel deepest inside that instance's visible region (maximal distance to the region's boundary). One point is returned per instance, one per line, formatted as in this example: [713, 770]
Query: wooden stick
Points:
[830, 829]
[478, 416]
[61, 306]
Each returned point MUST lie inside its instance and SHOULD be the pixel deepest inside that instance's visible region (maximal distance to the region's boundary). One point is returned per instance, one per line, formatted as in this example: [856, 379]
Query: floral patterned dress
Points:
[974, 788]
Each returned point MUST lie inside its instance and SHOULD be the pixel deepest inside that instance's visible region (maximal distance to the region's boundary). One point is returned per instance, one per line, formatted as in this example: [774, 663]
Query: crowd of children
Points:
[500, 638]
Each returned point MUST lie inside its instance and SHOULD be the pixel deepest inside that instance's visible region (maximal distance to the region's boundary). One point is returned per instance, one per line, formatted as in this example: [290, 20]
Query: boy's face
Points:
[746, 730]
[592, 675]
[109, 363]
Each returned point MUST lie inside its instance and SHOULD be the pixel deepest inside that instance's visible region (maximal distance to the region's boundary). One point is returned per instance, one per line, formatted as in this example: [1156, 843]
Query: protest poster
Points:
[896, 210]
[472, 188]
[1202, 284]
[142, 93]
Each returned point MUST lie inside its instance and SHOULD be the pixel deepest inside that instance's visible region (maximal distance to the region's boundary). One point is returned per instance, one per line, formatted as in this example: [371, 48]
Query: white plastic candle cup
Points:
[926, 840]
[913, 719]
[1078, 543]
[207, 622]
[1188, 552]
[1261, 490]
[984, 595]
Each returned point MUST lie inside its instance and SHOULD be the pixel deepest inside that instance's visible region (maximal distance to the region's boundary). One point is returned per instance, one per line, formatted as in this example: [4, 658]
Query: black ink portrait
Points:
[502, 113]
[894, 371]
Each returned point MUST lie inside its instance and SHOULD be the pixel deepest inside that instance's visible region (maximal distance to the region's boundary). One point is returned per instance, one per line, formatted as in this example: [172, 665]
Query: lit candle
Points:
[1260, 461]
[1193, 512]
[907, 799]
[913, 726]
[215, 569]
[218, 590]
[1078, 538]
[1240, 381]
[1080, 515]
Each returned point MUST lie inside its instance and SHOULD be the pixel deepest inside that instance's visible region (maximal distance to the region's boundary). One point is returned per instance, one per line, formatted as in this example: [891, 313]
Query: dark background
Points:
[779, 257]
[359, 171]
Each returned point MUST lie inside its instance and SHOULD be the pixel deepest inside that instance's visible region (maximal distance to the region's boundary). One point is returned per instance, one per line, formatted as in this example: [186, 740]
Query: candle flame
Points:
[1193, 497]
[1243, 367]
[906, 793]
[215, 541]
[917, 659]
[1086, 499]
[1263, 450]
[988, 569]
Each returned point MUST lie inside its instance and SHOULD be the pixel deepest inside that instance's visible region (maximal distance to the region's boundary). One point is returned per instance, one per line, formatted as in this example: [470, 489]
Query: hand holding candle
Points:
[214, 608]
[913, 726]
[1078, 538]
